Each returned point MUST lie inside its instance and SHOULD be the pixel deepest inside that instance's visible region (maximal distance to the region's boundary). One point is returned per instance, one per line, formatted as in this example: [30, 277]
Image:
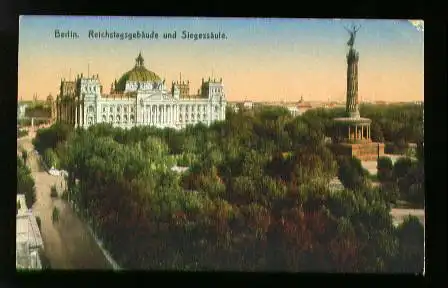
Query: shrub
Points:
[50, 158]
[390, 192]
[64, 195]
[385, 168]
[402, 167]
[22, 133]
[351, 173]
[396, 148]
[55, 215]
[54, 192]
[411, 254]
[24, 155]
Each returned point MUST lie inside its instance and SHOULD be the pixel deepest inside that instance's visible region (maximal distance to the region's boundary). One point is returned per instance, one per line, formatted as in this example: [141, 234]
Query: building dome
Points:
[138, 74]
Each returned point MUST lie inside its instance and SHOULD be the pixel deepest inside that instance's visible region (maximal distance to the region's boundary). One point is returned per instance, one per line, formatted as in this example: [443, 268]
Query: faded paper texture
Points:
[236, 144]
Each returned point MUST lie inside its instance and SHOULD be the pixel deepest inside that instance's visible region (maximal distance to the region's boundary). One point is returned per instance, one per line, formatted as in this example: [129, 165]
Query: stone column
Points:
[153, 114]
[168, 107]
[161, 113]
[83, 115]
[71, 113]
[166, 114]
[170, 114]
[76, 115]
[362, 132]
[349, 134]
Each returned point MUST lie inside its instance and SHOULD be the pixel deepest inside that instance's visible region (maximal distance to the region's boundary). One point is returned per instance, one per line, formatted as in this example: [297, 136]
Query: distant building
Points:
[235, 106]
[21, 108]
[179, 169]
[52, 105]
[381, 102]
[303, 107]
[293, 110]
[248, 104]
[139, 98]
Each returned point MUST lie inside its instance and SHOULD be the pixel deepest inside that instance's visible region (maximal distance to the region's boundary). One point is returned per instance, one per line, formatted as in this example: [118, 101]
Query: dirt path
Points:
[400, 214]
[68, 243]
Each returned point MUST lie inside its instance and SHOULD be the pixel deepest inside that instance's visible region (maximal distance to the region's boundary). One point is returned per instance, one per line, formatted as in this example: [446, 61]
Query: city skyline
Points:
[261, 59]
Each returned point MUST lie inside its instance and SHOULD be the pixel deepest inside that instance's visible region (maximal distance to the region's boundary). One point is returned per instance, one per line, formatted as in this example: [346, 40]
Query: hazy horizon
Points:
[261, 60]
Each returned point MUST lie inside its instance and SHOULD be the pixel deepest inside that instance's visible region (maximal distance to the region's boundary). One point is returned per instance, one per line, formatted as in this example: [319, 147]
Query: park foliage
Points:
[25, 182]
[255, 196]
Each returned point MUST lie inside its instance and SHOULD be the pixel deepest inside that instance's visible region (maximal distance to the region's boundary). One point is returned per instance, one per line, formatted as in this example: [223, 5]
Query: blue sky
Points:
[302, 56]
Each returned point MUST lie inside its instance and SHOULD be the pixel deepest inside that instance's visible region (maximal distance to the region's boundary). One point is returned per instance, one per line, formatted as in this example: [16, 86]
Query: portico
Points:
[352, 130]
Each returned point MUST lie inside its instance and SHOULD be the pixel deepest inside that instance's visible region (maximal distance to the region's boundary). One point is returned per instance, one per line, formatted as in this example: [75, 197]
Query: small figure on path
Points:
[24, 155]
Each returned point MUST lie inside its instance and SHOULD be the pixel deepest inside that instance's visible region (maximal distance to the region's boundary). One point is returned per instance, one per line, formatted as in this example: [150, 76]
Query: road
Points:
[68, 242]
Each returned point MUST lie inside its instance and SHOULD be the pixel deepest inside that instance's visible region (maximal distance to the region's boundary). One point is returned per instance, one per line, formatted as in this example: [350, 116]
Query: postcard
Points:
[220, 144]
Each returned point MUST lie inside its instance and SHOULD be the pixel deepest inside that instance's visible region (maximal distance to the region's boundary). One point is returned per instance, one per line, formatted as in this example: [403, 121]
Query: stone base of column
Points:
[368, 151]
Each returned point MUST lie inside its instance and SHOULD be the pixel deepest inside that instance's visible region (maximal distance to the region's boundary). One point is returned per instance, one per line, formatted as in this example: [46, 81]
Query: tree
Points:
[351, 173]
[255, 195]
[376, 134]
[50, 158]
[411, 252]
[402, 167]
[385, 168]
[55, 215]
[25, 183]
[53, 191]
[24, 156]
[50, 137]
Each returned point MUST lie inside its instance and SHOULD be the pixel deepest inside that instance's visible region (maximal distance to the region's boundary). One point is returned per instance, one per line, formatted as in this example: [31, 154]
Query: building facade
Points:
[21, 108]
[139, 97]
[28, 238]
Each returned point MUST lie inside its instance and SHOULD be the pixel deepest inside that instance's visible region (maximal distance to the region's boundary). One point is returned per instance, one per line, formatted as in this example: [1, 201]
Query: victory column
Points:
[352, 135]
